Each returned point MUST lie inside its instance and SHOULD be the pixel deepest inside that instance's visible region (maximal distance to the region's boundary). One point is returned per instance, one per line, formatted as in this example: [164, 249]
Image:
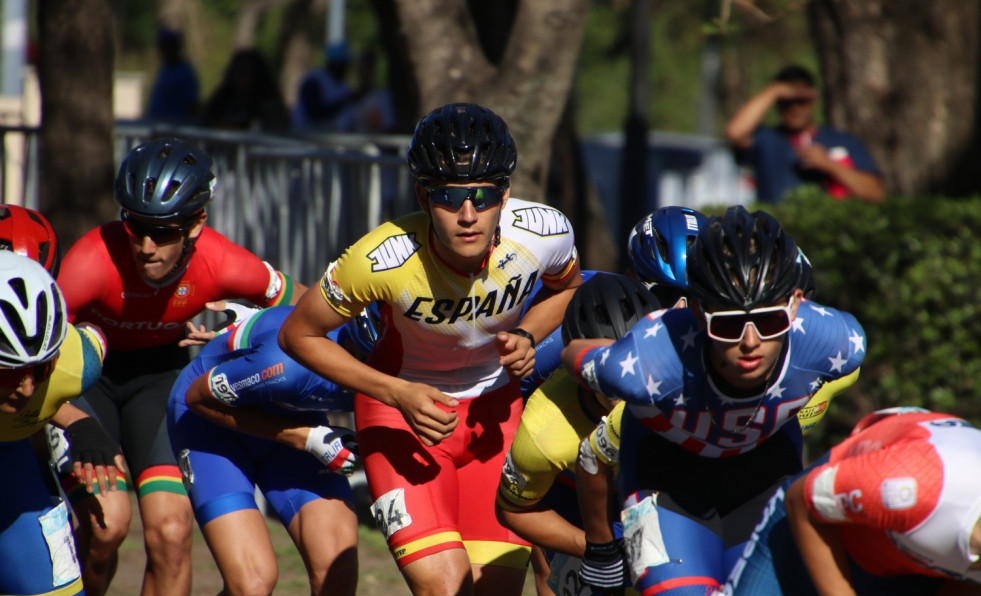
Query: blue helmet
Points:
[363, 330]
[658, 246]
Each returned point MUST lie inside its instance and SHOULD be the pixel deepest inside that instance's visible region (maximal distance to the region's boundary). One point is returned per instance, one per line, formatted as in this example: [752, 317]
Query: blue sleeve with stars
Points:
[826, 342]
[645, 366]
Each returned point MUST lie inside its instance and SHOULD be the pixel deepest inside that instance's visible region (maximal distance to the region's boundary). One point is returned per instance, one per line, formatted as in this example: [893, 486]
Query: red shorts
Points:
[431, 499]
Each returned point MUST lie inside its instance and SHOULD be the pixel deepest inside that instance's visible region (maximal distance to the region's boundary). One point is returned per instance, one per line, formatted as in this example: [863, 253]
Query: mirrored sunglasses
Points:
[730, 325]
[453, 197]
[161, 235]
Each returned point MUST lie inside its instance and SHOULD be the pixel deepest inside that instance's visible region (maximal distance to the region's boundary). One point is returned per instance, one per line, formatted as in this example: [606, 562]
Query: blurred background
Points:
[617, 107]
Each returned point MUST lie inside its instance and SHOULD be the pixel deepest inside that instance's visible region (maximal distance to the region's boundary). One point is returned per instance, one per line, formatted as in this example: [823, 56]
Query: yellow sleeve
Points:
[605, 438]
[814, 410]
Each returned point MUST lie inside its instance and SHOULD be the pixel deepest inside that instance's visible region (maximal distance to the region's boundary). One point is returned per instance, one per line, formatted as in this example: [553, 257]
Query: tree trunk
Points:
[76, 147]
[528, 89]
[903, 77]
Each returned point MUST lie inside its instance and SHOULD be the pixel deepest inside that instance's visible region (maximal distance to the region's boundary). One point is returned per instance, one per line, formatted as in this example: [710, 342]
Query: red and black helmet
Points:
[27, 232]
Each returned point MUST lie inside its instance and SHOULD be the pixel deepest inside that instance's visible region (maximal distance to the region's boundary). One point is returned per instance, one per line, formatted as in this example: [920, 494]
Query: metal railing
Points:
[295, 201]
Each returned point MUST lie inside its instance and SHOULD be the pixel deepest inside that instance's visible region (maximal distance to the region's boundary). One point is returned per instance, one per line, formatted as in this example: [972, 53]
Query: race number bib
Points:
[642, 535]
[61, 545]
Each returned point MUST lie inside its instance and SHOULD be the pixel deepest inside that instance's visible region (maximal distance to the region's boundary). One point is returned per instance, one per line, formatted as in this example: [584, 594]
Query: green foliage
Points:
[908, 269]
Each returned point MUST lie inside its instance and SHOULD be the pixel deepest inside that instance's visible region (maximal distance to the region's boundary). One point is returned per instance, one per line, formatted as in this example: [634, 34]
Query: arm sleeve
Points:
[83, 276]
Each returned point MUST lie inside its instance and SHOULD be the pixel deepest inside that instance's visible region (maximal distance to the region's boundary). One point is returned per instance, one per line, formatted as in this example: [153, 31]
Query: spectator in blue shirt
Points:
[799, 151]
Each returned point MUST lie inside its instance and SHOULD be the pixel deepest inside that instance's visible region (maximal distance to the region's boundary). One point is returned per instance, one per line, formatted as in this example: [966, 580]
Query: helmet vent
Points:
[172, 189]
[20, 290]
[151, 185]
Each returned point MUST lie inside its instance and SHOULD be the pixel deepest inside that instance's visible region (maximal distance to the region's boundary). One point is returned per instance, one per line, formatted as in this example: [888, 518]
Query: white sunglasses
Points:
[730, 325]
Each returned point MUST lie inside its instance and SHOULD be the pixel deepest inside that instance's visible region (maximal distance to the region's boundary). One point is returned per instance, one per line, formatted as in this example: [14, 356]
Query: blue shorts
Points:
[221, 469]
[25, 556]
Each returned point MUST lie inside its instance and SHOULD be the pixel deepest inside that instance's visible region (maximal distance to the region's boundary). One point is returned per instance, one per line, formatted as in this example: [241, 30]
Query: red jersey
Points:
[102, 285]
[906, 492]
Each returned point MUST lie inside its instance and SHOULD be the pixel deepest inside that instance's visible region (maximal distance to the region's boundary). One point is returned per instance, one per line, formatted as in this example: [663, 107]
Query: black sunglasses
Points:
[12, 377]
[161, 235]
[453, 197]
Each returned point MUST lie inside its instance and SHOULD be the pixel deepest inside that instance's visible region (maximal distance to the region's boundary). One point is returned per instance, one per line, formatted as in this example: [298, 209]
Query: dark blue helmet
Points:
[165, 180]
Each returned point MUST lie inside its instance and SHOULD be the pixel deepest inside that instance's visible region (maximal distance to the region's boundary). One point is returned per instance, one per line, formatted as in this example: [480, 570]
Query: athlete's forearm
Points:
[819, 544]
[545, 313]
[594, 491]
[303, 336]
[66, 415]
[246, 419]
[545, 528]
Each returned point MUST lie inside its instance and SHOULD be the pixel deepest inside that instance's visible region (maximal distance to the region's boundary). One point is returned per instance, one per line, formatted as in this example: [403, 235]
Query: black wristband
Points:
[523, 333]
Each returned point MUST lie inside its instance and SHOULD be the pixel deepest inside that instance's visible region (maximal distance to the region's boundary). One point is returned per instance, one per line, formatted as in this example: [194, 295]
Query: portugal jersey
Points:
[102, 285]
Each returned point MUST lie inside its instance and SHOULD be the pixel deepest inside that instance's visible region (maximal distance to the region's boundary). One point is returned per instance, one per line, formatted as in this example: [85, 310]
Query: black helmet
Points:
[742, 260]
[165, 180]
[606, 305]
[462, 142]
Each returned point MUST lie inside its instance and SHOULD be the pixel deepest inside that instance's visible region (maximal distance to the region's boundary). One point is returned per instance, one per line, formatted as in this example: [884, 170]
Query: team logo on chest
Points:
[542, 221]
[184, 291]
[393, 252]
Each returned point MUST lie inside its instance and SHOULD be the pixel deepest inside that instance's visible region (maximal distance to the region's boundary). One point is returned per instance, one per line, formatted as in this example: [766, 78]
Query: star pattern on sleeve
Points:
[837, 362]
[627, 365]
[688, 339]
[798, 324]
[653, 329]
[821, 310]
[604, 356]
[858, 341]
[816, 384]
[680, 401]
[653, 387]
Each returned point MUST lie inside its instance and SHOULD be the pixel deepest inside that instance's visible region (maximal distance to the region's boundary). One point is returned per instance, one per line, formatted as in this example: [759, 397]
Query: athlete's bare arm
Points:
[542, 318]
[303, 336]
[819, 544]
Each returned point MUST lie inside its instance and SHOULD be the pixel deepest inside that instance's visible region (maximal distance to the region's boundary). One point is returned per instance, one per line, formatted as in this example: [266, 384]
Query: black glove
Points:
[602, 565]
[88, 443]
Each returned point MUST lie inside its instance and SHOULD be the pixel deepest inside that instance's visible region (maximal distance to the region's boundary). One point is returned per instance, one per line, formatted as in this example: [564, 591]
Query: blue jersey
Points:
[247, 367]
[220, 466]
[658, 368]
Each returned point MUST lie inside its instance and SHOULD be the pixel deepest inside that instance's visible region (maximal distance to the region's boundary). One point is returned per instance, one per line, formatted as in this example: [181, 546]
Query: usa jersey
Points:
[440, 322]
[659, 369]
[247, 367]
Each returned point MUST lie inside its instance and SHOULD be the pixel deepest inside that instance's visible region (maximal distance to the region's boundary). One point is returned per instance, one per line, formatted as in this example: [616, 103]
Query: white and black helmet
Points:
[33, 320]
